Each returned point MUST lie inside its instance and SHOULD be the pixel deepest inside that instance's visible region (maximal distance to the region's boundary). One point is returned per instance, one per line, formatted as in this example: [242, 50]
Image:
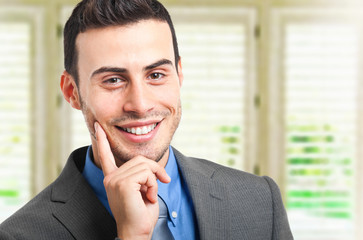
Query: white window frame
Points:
[247, 17]
[34, 16]
[276, 163]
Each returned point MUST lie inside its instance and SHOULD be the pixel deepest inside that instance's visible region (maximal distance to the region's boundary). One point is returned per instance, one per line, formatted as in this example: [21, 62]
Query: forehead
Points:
[139, 42]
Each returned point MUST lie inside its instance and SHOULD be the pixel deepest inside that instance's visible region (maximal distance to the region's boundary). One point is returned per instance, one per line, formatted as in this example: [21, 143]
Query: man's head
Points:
[93, 14]
[127, 77]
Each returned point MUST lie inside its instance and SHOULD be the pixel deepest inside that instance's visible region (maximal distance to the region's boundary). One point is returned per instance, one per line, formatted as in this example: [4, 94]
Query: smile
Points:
[142, 130]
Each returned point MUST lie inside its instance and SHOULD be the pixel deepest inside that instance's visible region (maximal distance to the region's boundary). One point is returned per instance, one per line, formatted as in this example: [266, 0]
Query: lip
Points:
[133, 138]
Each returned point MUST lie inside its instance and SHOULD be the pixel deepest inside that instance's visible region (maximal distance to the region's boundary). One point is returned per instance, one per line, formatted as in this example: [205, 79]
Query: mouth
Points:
[140, 130]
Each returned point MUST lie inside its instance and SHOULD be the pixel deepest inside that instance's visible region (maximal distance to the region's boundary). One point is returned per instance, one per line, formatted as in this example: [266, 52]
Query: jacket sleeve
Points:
[281, 228]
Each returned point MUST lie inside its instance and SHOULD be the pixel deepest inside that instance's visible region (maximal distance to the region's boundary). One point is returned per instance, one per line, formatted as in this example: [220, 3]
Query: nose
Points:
[139, 99]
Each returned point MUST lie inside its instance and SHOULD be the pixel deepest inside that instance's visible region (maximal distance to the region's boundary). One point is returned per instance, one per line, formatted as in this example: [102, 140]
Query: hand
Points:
[131, 190]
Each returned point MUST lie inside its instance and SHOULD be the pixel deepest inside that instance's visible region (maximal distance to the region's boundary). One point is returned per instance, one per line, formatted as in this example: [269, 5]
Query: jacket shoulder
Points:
[227, 175]
[35, 220]
[252, 204]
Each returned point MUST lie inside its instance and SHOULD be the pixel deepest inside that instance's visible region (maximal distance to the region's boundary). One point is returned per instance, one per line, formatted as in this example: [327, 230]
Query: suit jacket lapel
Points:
[209, 198]
[85, 217]
[81, 212]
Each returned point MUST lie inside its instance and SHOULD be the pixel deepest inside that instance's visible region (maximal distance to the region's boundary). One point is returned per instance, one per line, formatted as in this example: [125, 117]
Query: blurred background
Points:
[272, 87]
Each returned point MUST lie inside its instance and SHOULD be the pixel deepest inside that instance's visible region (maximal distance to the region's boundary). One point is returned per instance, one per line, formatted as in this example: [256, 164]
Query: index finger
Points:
[139, 162]
[105, 155]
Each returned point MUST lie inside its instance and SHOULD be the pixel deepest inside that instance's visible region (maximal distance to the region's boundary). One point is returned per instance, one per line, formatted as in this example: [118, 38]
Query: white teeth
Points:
[144, 130]
[140, 130]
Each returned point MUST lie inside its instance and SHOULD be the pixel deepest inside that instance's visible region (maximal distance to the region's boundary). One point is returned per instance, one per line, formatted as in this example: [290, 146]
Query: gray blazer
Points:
[229, 204]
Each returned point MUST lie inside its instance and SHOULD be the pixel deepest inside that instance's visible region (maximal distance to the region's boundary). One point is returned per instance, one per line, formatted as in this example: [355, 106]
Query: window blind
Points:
[213, 99]
[14, 116]
[320, 68]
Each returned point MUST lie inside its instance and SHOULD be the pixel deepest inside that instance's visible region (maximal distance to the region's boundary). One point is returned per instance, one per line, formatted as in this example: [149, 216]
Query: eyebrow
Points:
[109, 69]
[124, 70]
[158, 64]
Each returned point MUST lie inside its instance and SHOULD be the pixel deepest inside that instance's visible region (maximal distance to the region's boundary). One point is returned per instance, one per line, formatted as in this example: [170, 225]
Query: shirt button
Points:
[174, 214]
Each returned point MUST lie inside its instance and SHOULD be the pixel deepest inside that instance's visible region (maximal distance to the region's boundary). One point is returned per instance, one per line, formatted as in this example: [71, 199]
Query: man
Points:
[124, 72]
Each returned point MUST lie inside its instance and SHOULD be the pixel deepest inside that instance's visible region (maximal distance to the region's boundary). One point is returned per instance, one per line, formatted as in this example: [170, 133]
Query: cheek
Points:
[102, 109]
[171, 98]
[105, 112]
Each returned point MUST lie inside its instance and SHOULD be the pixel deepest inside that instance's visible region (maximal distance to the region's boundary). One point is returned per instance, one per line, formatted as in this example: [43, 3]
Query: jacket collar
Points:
[80, 211]
[80, 204]
[208, 197]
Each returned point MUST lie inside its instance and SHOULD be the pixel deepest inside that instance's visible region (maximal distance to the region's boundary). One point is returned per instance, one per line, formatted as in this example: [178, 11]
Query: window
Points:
[319, 60]
[217, 56]
[22, 107]
[15, 104]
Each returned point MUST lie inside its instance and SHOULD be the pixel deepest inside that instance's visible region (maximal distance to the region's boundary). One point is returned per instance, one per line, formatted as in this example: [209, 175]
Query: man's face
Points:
[128, 83]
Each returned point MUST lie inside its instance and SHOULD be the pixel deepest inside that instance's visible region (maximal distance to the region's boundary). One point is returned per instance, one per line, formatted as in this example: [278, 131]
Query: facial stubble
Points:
[154, 152]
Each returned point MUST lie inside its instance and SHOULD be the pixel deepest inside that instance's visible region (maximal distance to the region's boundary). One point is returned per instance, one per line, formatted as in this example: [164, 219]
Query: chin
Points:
[152, 154]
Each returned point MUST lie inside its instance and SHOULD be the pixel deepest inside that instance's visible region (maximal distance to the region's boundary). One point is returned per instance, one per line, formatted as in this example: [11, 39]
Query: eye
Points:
[156, 76]
[113, 80]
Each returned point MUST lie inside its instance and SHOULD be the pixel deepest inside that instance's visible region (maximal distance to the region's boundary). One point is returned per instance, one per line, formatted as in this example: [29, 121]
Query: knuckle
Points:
[115, 184]
[106, 180]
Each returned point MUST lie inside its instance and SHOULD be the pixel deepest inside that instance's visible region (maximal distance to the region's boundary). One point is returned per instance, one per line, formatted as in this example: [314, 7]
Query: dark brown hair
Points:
[92, 14]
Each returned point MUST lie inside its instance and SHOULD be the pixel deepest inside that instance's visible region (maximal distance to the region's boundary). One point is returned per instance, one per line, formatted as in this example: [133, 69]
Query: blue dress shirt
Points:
[181, 215]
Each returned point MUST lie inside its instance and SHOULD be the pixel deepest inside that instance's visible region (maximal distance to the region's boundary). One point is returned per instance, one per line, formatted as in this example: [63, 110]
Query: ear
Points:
[70, 90]
[180, 72]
